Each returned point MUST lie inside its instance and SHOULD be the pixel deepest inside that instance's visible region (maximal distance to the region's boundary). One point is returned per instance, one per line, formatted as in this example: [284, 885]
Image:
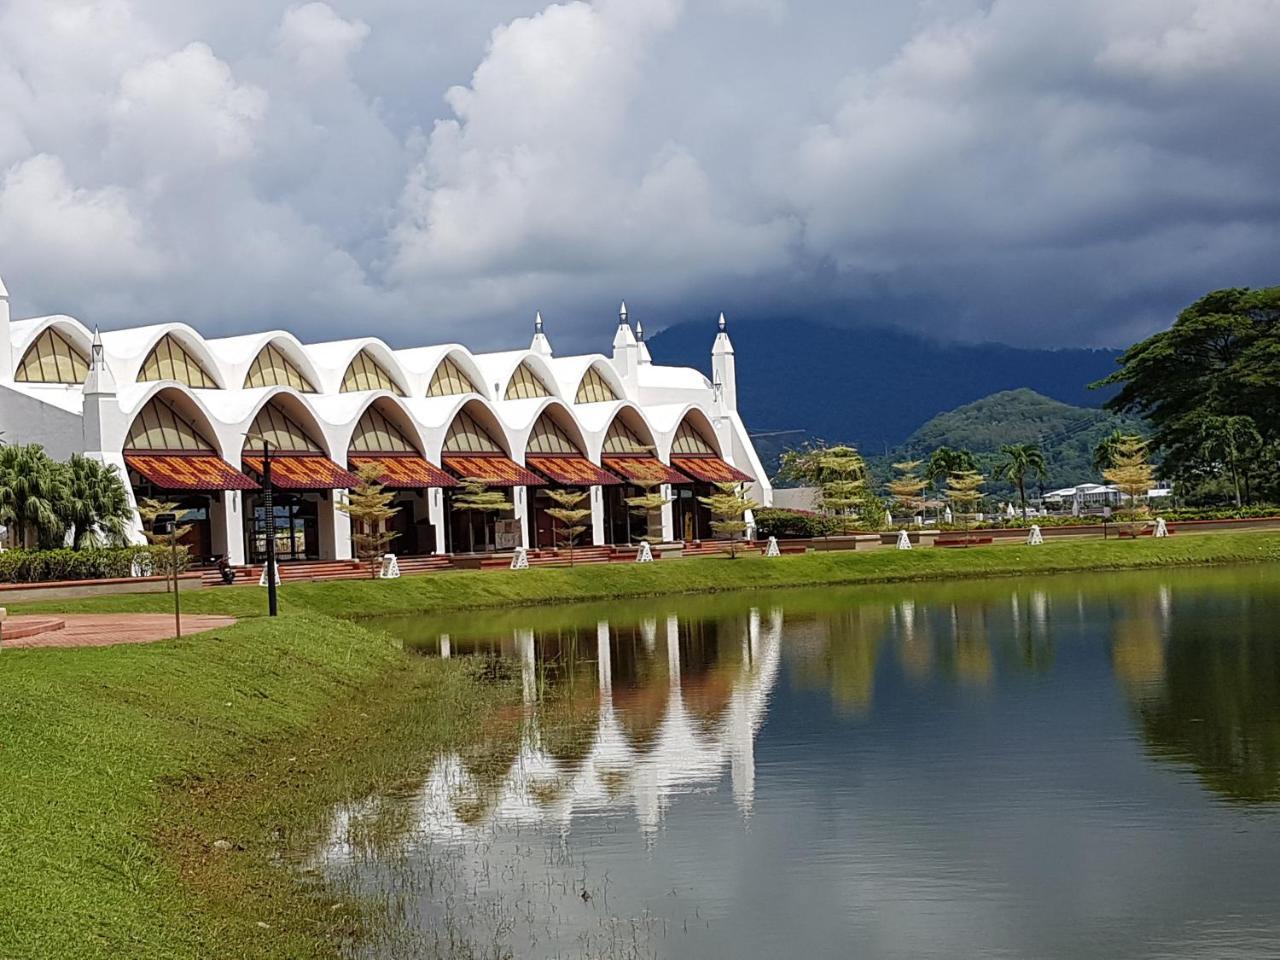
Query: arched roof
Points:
[597, 418]
[236, 354]
[569, 372]
[498, 369]
[666, 419]
[23, 333]
[484, 415]
[521, 416]
[126, 350]
[344, 411]
[422, 362]
[297, 405]
[186, 401]
[334, 357]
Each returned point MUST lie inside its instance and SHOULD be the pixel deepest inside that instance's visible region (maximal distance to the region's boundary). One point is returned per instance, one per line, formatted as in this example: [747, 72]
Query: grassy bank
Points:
[121, 767]
[466, 590]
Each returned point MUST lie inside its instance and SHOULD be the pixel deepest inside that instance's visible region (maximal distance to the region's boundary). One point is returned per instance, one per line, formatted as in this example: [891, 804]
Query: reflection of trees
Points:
[839, 652]
[1219, 706]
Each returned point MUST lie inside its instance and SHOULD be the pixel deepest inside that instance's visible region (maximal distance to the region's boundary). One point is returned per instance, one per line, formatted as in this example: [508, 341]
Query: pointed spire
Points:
[99, 378]
[640, 330]
[622, 313]
[4, 291]
[540, 344]
[537, 322]
[721, 319]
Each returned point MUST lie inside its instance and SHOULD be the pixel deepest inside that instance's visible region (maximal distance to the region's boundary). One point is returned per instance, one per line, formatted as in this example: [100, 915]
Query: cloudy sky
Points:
[1035, 171]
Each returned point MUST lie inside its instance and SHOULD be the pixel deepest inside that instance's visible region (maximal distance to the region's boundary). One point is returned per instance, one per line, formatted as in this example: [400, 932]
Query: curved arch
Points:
[296, 407]
[699, 422]
[607, 375]
[628, 419]
[485, 418]
[499, 368]
[393, 410]
[185, 404]
[336, 357]
[466, 364]
[259, 373]
[26, 340]
[140, 351]
[562, 417]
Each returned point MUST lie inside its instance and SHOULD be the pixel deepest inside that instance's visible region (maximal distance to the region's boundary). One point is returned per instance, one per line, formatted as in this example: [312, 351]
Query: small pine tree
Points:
[648, 505]
[1130, 472]
[727, 506]
[907, 489]
[474, 496]
[148, 510]
[964, 492]
[368, 505]
[571, 514]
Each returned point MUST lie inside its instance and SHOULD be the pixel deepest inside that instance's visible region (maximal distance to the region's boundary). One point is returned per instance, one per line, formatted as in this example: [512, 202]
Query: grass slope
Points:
[120, 766]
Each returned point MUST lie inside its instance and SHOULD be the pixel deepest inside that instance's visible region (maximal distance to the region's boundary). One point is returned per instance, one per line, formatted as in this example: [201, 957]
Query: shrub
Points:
[792, 524]
[40, 566]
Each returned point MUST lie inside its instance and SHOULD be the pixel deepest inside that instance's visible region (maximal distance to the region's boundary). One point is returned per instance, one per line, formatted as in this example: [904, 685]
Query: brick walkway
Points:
[103, 630]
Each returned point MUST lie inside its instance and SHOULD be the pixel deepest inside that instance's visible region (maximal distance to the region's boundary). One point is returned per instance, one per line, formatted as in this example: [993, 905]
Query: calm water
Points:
[1067, 768]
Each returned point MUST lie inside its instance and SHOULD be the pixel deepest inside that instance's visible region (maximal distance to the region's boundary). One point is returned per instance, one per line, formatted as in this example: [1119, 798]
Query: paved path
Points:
[102, 630]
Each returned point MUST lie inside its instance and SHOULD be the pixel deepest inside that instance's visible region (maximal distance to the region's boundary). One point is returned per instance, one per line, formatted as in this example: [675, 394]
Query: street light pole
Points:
[269, 507]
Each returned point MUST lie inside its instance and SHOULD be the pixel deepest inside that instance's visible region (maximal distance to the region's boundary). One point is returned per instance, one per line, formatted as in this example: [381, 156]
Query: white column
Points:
[435, 509]
[226, 518]
[335, 529]
[668, 516]
[519, 495]
[597, 516]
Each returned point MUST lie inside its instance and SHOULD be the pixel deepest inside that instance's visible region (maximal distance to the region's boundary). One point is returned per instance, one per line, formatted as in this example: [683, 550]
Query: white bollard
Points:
[771, 549]
[262, 577]
[1035, 537]
[904, 541]
[390, 568]
[1162, 530]
[645, 554]
[520, 559]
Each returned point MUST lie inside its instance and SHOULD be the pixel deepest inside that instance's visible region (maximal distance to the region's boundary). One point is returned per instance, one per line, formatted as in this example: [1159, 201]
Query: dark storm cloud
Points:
[1030, 171]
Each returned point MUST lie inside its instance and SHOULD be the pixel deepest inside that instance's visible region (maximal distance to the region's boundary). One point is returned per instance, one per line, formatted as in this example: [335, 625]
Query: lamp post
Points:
[166, 525]
[269, 517]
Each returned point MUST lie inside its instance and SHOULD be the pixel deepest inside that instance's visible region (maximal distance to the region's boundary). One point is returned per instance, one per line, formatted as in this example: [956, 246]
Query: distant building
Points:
[184, 418]
[1094, 497]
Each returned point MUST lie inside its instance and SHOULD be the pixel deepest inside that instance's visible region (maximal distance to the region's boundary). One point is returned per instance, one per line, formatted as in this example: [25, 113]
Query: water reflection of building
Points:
[706, 720]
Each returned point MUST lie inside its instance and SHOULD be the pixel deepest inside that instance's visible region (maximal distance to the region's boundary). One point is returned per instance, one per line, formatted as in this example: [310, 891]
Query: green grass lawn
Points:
[120, 767]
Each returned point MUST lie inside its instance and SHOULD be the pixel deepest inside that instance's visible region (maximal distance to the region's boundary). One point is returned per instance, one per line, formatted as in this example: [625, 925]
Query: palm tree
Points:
[31, 487]
[945, 461]
[95, 504]
[1021, 459]
[1104, 453]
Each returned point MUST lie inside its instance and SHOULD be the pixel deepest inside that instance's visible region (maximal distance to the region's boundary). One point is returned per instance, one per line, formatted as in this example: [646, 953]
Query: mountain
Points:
[871, 386]
[1066, 433]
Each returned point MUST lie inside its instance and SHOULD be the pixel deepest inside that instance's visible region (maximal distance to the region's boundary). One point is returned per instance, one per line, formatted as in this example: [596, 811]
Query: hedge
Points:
[792, 524]
[97, 563]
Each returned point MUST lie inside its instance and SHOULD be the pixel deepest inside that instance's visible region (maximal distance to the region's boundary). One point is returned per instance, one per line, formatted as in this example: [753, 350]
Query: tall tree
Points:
[964, 492]
[1131, 473]
[571, 515]
[95, 505]
[368, 505]
[31, 486]
[840, 474]
[474, 497]
[1226, 440]
[648, 507]
[148, 510]
[945, 461]
[728, 506]
[1105, 452]
[907, 488]
[1018, 461]
[1221, 358]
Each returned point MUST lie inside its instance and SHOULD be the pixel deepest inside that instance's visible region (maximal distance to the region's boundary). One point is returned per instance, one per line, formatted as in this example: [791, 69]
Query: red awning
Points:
[493, 469]
[184, 471]
[304, 472]
[404, 473]
[571, 470]
[644, 470]
[710, 470]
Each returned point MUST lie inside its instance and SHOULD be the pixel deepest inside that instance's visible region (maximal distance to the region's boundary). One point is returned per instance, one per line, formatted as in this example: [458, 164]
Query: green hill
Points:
[1067, 434]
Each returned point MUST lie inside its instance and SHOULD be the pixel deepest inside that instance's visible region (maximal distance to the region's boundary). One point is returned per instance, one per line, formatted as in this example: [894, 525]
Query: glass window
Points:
[525, 385]
[365, 373]
[467, 436]
[689, 441]
[271, 368]
[549, 437]
[449, 380]
[169, 360]
[52, 359]
[280, 431]
[594, 388]
[158, 426]
[622, 442]
[376, 434]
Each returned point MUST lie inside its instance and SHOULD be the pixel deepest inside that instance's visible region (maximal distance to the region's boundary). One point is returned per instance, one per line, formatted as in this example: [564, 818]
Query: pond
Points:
[1072, 767]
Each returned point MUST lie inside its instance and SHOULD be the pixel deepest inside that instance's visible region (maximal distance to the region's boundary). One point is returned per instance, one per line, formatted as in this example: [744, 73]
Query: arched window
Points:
[376, 434]
[594, 388]
[449, 380]
[52, 359]
[467, 436]
[365, 373]
[525, 385]
[159, 427]
[169, 360]
[281, 432]
[549, 437]
[271, 368]
[621, 441]
[690, 442]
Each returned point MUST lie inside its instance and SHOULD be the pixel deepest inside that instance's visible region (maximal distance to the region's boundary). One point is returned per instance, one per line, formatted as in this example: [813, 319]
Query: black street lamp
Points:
[269, 516]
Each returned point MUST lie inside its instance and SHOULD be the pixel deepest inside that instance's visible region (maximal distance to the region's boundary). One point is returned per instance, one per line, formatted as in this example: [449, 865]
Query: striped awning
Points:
[304, 472]
[183, 471]
[571, 470]
[400, 472]
[710, 470]
[493, 469]
[643, 470]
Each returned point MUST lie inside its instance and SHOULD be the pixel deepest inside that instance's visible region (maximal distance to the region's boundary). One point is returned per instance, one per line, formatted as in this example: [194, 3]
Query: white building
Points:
[184, 419]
